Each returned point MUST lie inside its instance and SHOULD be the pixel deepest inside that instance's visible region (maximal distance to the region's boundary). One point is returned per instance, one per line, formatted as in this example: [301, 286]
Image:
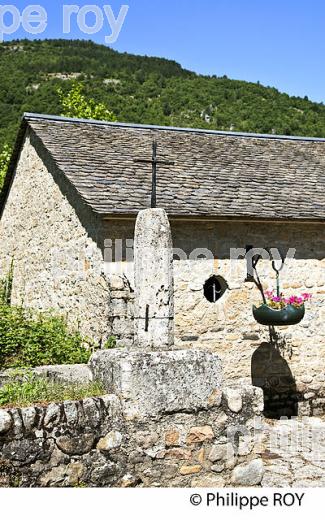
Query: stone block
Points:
[221, 452]
[208, 481]
[234, 400]
[190, 470]
[5, 421]
[65, 373]
[172, 438]
[156, 383]
[178, 453]
[250, 474]
[199, 434]
[110, 442]
[76, 445]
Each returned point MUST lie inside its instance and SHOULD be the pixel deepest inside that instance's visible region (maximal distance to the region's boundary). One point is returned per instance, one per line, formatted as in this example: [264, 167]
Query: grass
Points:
[26, 389]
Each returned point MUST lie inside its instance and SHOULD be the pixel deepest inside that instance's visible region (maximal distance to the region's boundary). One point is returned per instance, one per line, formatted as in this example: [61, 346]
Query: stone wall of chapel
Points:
[57, 261]
[297, 358]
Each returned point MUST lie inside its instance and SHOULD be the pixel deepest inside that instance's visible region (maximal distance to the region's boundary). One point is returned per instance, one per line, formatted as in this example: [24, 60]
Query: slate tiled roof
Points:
[214, 174]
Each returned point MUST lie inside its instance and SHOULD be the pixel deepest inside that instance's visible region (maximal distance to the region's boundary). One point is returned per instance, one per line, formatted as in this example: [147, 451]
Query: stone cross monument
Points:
[151, 379]
[154, 282]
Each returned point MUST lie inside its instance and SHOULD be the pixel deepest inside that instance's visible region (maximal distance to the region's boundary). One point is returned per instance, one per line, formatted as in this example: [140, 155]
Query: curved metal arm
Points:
[278, 271]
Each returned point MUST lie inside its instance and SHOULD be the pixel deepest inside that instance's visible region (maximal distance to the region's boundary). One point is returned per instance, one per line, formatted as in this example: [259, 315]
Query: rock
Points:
[29, 416]
[221, 421]
[221, 452]
[170, 471]
[200, 456]
[200, 434]
[306, 379]
[71, 412]
[172, 438]
[258, 404]
[157, 452]
[178, 453]
[250, 474]
[215, 398]
[116, 283]
[218, 468]
[211, 481]
[103, 471]
[190, 470]
[128, 481]
[65, 373]
[5, 421]
[250, 336]
[234, 400]
[17, 423]
[76, 445]
[91, 412]
[111, 441]
[53, 477]
[245, 445]
[147, 440]
[276, 481]
[74, 472]
[52, 416]
[58, 457]
[24, 451]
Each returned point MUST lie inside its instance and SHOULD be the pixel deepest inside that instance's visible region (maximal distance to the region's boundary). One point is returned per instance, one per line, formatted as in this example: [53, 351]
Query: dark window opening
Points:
[214, 288]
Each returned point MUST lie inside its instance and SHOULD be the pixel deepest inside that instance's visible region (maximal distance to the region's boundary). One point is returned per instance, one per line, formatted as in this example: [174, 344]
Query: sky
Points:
[280, 43]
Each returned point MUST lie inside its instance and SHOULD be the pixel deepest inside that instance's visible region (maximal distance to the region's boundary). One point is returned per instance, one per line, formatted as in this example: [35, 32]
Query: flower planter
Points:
[290, 315]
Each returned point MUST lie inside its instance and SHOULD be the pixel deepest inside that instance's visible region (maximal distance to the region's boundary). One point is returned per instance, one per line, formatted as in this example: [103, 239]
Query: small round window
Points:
[214, 288]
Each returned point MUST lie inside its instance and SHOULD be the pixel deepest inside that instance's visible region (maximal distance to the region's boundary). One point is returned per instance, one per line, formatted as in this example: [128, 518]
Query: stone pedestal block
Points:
[157, 383]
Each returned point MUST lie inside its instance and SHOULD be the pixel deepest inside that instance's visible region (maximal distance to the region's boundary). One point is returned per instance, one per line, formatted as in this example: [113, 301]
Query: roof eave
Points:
[217, 218]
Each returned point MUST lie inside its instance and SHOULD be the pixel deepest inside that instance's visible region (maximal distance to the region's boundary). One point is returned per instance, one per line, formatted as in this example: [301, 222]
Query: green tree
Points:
[75, 104]
[5, 155]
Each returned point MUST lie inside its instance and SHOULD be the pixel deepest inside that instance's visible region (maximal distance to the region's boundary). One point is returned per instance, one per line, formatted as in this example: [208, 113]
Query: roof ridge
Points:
[28, 116]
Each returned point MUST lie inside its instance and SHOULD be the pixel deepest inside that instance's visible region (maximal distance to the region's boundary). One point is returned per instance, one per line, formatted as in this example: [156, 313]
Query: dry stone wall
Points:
[89, 443]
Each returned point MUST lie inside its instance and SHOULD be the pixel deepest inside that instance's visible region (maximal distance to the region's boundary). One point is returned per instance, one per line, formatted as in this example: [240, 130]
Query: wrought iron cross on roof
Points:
[154, 161]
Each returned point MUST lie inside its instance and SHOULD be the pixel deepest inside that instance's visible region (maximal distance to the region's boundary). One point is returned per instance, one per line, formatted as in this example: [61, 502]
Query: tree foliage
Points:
[5, 155]
[75, 104]
[140, 89]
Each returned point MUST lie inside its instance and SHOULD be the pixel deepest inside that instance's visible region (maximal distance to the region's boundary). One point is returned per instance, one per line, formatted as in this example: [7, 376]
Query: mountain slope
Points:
[143, 90]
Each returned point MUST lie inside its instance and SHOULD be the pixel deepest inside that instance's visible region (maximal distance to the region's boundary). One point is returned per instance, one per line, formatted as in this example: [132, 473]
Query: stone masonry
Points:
[90, 443]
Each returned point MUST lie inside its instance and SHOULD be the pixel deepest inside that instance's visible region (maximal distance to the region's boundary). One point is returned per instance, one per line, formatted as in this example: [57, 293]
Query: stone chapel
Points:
[68, 212]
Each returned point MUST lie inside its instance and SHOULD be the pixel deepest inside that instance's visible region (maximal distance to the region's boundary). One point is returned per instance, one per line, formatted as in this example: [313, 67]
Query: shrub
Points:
[5, 156]
[6, 286]
[29, 338]
[26, 388]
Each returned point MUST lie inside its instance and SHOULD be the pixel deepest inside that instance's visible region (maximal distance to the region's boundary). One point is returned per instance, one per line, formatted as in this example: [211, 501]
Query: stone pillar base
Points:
[156, 383]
